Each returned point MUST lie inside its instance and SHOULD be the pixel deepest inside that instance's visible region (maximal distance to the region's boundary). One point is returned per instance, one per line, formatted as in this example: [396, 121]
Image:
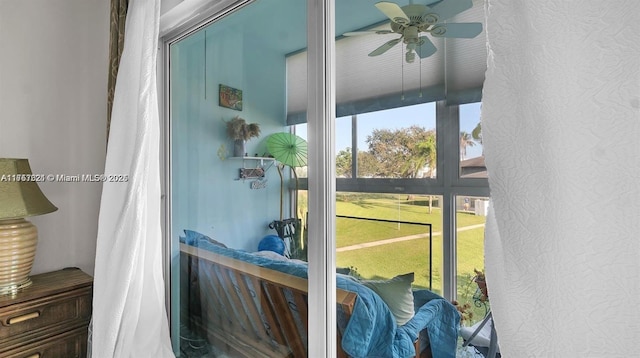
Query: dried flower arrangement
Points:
[480, 280]
[239, 129]
[479, 275]
[466, 315]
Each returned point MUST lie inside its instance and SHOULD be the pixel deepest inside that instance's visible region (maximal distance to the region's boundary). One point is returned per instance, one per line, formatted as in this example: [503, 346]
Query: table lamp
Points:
[20, 197]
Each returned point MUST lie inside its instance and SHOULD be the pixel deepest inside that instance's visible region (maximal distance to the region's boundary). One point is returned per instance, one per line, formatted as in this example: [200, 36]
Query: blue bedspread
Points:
[372, 331]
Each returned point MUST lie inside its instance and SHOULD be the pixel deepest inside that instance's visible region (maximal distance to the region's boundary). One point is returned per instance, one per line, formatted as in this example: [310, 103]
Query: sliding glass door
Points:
[261, 247]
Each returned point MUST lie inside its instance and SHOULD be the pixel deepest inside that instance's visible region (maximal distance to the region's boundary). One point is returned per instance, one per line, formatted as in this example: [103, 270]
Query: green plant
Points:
[239, 129]
[353, 272]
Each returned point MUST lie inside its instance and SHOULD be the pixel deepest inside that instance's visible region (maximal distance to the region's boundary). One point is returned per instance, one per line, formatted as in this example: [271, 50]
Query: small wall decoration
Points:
[251, 173]
[259, 184]
[230, 97]
[222, 152]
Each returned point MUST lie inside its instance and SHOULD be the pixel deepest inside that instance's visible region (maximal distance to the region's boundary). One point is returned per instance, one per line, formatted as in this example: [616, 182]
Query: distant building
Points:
[473, 168]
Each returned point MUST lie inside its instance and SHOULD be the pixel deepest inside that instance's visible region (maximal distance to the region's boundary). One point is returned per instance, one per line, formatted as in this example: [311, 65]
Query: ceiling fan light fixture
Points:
[430, 18]
[400, 20]
[411, 32]
[410, 56]
[438, 30]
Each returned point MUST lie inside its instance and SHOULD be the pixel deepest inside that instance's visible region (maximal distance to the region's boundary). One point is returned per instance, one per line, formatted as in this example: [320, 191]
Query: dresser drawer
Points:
[44, 317]
[71, 344]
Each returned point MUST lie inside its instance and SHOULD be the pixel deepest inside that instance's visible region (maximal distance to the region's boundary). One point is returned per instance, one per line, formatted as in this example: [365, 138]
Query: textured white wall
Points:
[561, 122]
[53, 78]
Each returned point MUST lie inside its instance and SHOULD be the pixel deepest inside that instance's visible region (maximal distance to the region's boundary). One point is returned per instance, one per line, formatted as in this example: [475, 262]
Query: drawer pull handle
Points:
[23, 318]
[37, 355]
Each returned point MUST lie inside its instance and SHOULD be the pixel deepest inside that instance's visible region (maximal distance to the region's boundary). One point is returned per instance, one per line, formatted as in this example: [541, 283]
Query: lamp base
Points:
[13, 289]
[18, 241]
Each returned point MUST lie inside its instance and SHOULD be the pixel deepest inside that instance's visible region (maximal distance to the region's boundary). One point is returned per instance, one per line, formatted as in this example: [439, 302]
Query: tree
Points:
[465, 141]
[402, 153]
[343, 163]
[428, 151]
[367, 165]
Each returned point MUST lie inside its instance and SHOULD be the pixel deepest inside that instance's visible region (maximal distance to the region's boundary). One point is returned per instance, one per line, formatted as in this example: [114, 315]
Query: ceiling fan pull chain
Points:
[402, 69]
[205, 64]
[420, 77]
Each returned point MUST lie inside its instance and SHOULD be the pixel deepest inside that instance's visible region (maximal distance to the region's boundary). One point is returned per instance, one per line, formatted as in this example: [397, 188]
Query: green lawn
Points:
[350, 231]
[387, 261]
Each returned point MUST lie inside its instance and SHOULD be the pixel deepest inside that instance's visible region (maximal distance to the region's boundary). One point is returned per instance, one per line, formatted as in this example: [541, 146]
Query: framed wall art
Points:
[230, 97]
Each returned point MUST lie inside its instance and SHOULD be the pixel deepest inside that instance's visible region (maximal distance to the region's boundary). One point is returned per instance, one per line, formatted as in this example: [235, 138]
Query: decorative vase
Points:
[482, 285]
[238, 148]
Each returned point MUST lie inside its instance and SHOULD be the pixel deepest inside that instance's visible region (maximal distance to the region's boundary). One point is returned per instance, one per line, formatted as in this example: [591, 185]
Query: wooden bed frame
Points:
[229, 316]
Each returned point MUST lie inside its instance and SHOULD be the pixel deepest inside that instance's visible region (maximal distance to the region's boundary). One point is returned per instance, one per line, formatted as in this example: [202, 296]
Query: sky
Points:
[422, 114]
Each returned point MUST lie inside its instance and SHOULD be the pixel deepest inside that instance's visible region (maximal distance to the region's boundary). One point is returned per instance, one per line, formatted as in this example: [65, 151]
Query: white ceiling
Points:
[455, 72]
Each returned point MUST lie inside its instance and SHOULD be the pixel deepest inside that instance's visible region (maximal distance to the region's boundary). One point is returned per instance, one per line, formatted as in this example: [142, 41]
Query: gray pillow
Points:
[397, 294]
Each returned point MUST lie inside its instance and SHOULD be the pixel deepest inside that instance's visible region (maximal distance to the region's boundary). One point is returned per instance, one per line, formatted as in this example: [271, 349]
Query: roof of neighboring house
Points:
[473, 162]
[473, 168]
[476, 175]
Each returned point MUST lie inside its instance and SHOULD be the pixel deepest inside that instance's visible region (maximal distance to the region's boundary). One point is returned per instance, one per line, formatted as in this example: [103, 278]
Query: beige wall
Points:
[53, 71]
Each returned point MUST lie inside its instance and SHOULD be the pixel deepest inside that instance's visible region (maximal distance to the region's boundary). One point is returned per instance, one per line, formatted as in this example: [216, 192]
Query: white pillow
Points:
[397, 294]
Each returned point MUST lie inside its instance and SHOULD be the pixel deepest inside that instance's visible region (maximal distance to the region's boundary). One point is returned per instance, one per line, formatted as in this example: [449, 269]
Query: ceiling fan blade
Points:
[449, 8]
[371, 32]
[466, 30]
[393, 11]
[385, 47]
[427, 48]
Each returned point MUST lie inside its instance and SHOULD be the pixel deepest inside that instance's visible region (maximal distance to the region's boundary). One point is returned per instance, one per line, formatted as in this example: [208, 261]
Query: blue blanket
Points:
[372, 330]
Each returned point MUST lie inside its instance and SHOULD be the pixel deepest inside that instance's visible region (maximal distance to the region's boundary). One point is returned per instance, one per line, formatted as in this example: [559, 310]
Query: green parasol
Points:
[288, 149]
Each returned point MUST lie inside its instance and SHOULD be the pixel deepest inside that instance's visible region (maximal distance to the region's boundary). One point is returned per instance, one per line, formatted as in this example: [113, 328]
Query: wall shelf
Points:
[262, 160]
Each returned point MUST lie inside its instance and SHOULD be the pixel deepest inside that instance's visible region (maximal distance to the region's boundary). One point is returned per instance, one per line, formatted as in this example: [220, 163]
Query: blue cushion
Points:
[272, 243]
[192, 237]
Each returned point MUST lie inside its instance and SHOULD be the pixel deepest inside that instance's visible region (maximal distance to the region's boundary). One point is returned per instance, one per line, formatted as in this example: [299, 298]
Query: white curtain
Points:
[561, 124]
[129, 317]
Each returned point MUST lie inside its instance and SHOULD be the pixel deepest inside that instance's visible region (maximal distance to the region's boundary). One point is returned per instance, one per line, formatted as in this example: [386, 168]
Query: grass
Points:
[387, 261]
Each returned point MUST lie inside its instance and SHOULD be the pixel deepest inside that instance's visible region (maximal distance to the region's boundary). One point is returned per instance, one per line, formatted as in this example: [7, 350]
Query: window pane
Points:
[397, 143]
[343, 140]
[379, 236]
[226, 301]
[301, 131]
[471, 152]
[471, 217]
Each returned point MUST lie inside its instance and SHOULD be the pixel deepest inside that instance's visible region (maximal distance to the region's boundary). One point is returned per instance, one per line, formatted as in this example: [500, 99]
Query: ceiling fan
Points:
[412, 20]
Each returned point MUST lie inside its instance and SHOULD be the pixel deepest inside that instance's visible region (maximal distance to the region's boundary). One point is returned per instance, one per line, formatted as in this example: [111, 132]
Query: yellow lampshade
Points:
[20, 197]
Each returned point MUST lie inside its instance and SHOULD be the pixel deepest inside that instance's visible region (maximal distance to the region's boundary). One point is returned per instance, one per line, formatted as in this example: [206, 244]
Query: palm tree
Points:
[465, 141]
[476, 133]
[427, 150]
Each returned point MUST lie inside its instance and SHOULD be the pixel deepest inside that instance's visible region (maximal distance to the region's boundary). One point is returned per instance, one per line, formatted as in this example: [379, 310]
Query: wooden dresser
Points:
[48, 319]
